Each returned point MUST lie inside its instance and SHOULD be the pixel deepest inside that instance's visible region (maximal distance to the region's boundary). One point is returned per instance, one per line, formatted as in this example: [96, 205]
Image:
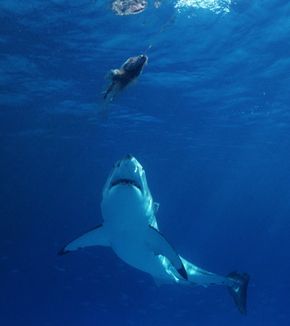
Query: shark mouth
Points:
[125, 182]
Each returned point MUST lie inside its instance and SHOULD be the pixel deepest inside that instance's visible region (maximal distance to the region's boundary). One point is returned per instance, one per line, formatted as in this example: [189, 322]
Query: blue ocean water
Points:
[208, 119]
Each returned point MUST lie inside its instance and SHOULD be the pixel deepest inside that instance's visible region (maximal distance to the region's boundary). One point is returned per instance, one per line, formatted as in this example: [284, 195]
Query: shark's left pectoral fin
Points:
[161, 246]
[95, 237]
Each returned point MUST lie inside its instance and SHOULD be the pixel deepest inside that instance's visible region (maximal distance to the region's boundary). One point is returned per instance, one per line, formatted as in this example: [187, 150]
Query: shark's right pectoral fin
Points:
[95, 237]
[161, 246]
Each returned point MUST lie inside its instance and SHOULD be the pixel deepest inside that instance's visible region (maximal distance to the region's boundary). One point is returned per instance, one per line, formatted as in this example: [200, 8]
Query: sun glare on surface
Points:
[217, 6]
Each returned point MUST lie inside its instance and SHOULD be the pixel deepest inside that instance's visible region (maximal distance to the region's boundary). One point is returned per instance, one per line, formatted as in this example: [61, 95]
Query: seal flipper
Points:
[113, 76]
[95, 237]
[239, 290]
[109, 90]
[161, 246]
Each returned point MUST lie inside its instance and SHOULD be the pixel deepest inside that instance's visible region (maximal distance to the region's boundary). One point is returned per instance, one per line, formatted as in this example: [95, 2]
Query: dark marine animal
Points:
[127, 73]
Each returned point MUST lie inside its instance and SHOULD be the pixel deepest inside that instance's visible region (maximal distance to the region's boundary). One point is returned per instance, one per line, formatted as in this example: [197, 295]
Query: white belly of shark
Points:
[130, 228]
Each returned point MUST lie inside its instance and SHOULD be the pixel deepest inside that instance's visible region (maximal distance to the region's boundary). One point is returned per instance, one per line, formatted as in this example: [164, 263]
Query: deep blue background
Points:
[209, 120]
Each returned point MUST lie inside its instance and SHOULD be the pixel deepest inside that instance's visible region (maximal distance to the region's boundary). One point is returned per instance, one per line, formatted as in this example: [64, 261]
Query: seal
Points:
[126, 74]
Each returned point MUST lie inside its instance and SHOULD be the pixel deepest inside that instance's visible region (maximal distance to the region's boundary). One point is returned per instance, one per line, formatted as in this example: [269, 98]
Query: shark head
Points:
[126, 193]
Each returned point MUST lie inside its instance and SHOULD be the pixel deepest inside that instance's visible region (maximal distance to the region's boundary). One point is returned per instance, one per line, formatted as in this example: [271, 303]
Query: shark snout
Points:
[127, 172]
[128, 157]
[125, 160]
[129, 162]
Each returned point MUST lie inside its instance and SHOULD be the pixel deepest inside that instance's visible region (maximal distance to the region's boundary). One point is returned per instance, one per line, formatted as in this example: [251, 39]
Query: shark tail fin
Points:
[238, 290]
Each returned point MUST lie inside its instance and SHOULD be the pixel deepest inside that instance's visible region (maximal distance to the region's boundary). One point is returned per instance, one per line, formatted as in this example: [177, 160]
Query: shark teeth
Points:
[125, 182]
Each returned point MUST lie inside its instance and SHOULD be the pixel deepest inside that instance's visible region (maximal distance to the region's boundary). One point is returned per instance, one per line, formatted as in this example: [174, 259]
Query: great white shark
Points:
[130, 228]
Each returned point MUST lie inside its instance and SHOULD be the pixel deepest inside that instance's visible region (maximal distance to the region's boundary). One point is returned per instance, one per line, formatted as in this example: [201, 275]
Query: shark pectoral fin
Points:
[95, 237]
[161, 246]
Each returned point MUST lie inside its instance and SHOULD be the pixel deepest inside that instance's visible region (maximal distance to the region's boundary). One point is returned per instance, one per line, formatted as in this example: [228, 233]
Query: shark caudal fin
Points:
[238, 290]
